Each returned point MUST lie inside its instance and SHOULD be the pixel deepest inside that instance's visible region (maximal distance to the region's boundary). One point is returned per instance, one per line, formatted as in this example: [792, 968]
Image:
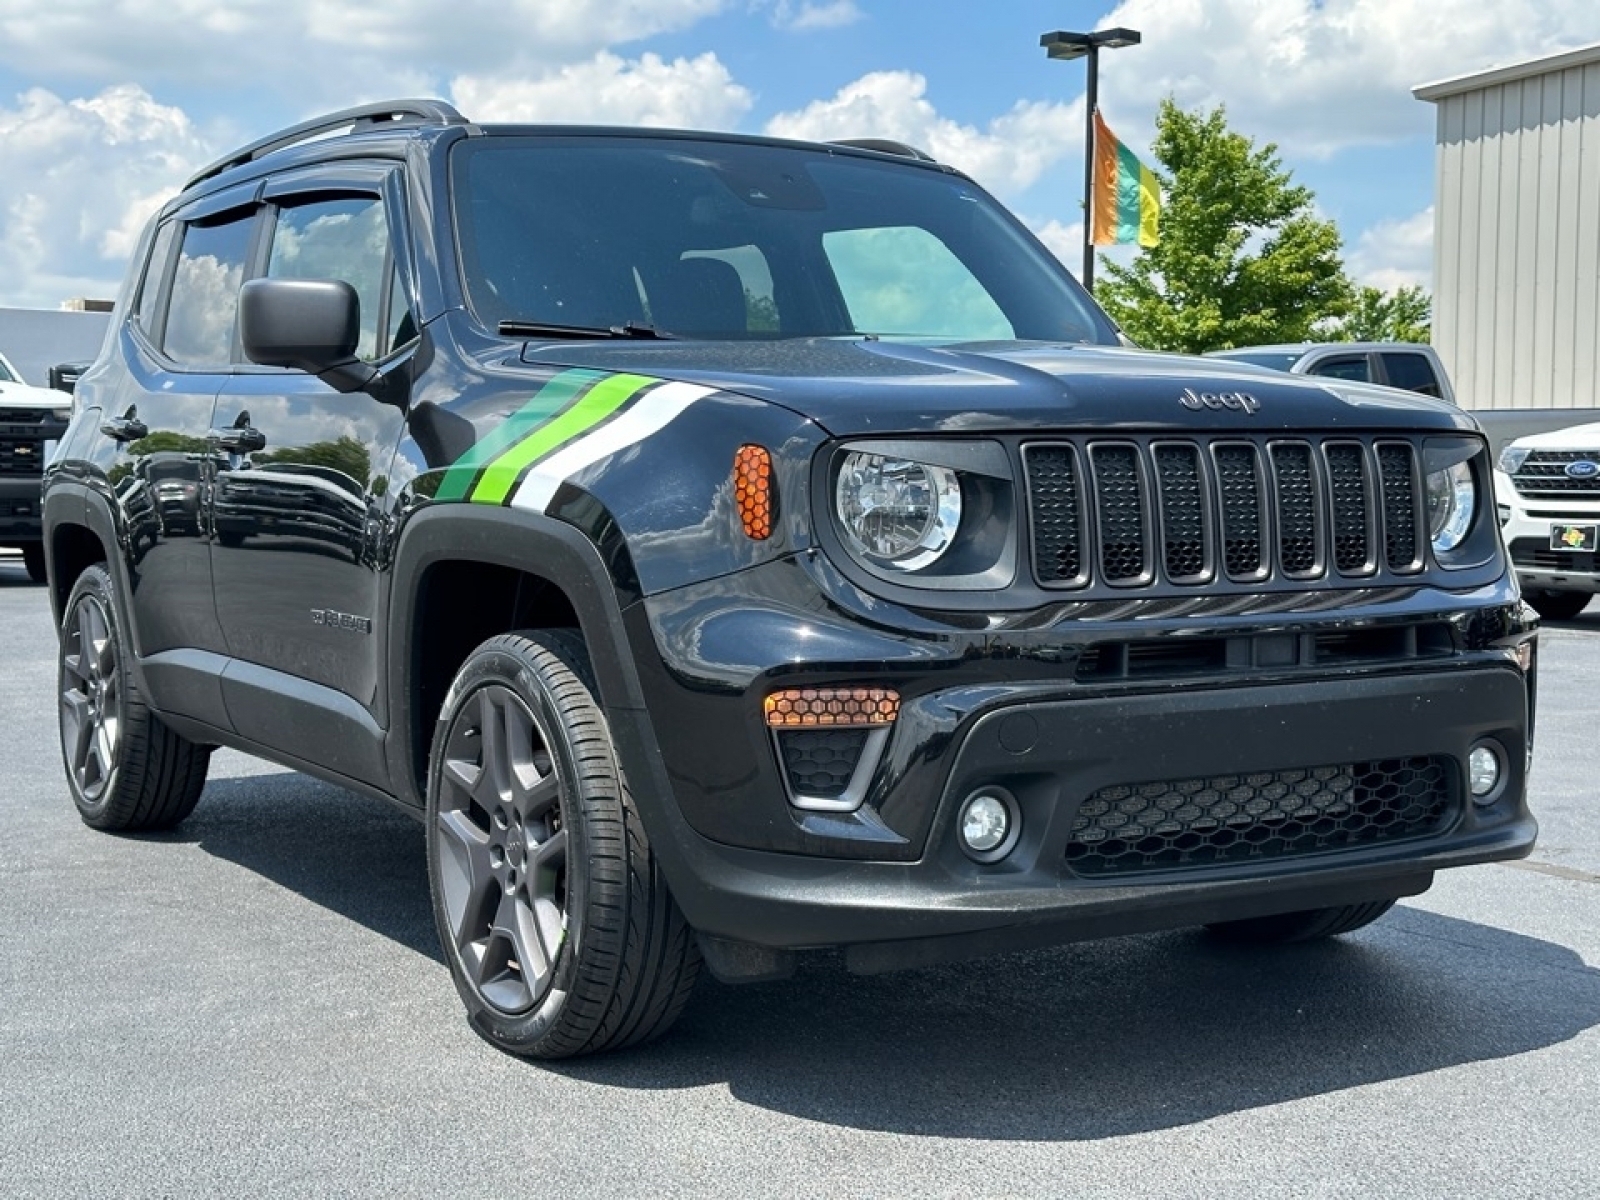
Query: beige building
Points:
[1516, 243]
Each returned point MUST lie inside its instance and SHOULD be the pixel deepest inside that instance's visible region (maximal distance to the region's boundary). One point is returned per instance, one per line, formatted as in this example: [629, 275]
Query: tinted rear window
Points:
[1410, 371]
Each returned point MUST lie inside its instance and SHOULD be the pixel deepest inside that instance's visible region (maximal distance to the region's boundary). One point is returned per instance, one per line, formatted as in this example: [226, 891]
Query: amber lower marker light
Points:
[797, 708]
[753, 492]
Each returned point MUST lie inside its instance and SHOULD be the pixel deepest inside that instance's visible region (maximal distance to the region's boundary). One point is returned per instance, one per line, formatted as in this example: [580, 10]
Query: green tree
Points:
[1242, 258]
[1403, 315]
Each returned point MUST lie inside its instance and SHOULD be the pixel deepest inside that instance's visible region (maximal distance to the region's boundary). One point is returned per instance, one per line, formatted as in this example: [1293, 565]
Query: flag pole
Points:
[1065, 46]
[1091, 100]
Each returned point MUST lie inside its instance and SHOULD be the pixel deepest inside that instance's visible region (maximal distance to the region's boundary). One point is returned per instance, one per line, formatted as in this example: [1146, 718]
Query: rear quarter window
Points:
[1411, 371]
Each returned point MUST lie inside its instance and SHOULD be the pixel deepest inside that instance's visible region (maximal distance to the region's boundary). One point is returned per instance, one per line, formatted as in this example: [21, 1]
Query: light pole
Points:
[1066, 47]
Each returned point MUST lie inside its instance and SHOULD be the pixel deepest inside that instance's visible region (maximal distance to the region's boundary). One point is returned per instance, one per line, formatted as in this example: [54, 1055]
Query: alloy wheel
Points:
[91, 698]
[502, 849]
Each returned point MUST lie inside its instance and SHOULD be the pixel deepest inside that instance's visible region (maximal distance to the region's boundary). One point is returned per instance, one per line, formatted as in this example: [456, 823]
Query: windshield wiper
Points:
[628, 329]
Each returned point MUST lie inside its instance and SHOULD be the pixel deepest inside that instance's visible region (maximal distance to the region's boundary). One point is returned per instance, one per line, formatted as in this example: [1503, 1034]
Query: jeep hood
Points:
[860, 386]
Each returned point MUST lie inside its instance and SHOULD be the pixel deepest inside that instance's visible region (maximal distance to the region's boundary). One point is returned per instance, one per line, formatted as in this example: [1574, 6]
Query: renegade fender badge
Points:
[339, 620]
[1238, 401]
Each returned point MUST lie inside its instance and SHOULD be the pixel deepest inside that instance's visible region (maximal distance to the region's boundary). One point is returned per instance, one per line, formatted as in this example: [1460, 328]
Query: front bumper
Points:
[891, 882]
[1525, 527]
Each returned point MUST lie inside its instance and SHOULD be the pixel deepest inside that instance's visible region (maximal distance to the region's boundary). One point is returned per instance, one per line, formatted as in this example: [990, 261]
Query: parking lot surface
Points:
[255, 1004]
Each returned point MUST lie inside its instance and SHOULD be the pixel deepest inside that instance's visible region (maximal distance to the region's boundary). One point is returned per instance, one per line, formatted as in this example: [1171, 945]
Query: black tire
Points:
[33, 560]
[1306, 926]
[127, 771]
[537, 857]
[1557, 606]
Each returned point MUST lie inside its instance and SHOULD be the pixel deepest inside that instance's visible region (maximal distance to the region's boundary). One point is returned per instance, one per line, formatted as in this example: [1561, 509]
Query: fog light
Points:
[988, 825]
[1483, 773]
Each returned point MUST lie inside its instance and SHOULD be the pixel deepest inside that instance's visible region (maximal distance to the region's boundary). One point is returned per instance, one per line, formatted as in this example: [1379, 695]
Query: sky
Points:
[106, 106]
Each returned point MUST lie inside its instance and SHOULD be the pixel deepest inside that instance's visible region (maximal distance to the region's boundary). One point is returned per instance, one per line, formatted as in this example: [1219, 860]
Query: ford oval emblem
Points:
[1582, 469]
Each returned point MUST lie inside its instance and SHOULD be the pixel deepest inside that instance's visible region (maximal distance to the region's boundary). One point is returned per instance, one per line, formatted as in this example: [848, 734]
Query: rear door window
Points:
[205, 291]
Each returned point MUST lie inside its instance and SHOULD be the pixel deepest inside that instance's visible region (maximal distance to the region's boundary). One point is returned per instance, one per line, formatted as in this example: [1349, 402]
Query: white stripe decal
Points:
[650, 413]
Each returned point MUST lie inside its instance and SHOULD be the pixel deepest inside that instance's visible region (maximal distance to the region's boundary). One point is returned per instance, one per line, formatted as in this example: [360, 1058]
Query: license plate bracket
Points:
[1573, 538]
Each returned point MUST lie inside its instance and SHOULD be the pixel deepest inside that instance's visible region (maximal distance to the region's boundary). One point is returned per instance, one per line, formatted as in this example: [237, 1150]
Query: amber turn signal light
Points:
[752, 491]
[795, 708]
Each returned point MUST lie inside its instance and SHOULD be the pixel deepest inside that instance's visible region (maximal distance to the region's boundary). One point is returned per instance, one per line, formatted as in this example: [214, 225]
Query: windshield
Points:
[737, 240]
[7, 375]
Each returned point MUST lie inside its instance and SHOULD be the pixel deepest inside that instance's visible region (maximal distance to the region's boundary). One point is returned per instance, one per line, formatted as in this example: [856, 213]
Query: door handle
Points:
[124, 429]
[241, 437]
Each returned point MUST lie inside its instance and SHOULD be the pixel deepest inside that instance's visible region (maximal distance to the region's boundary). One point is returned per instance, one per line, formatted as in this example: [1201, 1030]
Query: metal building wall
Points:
[1517, 237]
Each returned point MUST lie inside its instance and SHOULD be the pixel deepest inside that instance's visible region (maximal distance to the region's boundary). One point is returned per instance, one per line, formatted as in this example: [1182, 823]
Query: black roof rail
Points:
[885, 146]
[390, 113]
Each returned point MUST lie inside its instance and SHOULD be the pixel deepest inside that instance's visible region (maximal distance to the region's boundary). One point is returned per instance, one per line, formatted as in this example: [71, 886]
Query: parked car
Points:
[1547, 487]
[32, 420]
[750, 547]
[1407, 365]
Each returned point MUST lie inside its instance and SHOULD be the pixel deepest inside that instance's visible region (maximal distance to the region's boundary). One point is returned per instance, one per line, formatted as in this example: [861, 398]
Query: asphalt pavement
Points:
[255, 1005]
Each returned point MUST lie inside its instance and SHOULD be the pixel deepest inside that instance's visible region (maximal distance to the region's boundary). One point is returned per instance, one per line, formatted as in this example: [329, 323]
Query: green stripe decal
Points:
[554, 396]
[595, 405]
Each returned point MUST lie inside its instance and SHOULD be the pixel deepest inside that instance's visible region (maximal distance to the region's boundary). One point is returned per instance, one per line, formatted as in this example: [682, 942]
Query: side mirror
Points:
[64, 376]
[311, 325]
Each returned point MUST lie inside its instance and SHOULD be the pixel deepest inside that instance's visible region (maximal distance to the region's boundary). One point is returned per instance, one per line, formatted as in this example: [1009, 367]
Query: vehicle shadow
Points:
[1087, 1041]
[14, 575]
[351, 854]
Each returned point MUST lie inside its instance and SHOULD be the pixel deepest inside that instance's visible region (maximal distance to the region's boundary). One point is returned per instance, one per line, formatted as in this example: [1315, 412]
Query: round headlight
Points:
[897, 513]
[1452, 501]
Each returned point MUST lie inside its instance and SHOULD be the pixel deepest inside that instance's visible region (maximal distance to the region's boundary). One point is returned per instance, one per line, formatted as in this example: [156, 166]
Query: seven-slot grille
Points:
[1135, 512]
[1544, 474]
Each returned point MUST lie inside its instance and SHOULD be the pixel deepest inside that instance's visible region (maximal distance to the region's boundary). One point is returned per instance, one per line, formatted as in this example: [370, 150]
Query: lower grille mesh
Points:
[819, 762]
[1177, 824]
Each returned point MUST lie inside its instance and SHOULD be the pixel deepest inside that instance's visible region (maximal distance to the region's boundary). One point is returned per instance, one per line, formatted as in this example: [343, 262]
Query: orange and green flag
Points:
[1126, 201]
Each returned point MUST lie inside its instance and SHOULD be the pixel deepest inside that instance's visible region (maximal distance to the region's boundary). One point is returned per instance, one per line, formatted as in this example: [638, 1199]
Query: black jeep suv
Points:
[733, 547]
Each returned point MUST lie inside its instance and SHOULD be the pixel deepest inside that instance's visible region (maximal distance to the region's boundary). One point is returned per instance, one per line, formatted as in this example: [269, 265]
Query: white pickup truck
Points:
[31, 421]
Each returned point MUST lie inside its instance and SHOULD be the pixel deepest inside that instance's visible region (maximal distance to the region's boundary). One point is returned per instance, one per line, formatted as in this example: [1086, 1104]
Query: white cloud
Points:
[809, 15]
[687, 92]
[78, 180]
[1007, 156]
[319, 54]
[1319, 75]
[1395, 253]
